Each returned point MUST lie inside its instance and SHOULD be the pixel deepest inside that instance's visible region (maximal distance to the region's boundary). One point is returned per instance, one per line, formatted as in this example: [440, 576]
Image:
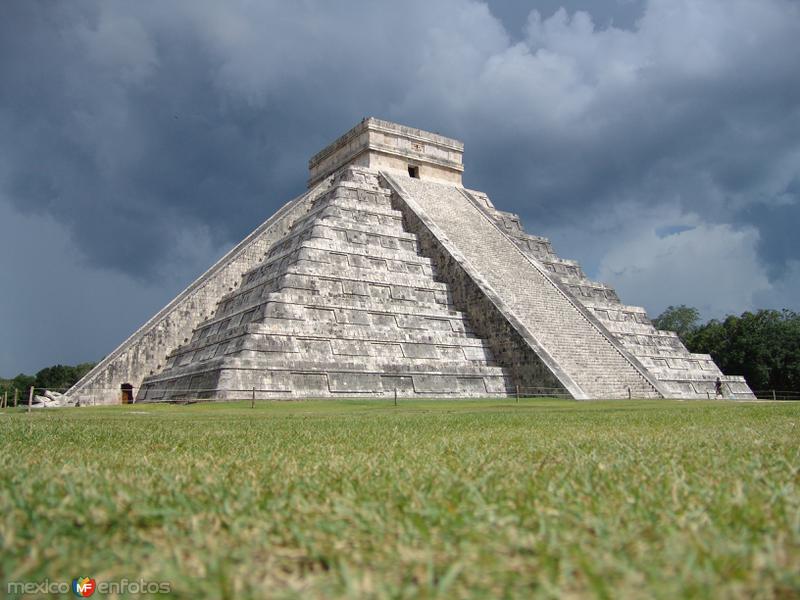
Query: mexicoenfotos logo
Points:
[83, 587]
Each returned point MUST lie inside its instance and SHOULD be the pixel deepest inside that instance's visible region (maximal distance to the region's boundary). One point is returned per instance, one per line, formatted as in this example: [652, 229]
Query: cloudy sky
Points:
[656, 141]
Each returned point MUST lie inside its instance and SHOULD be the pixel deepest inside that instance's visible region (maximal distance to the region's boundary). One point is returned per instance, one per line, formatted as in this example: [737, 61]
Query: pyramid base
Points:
[239, 384]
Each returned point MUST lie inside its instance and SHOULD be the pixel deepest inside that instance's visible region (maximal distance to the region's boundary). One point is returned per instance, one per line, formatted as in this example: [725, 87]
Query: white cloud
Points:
[711, 267]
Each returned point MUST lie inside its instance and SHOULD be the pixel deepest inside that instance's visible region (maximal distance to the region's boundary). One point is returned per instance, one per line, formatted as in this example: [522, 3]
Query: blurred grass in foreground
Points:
[450, 499]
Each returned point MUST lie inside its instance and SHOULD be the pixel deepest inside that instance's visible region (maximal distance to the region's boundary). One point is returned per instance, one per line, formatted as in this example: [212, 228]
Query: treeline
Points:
[763, 346]
[56, 378]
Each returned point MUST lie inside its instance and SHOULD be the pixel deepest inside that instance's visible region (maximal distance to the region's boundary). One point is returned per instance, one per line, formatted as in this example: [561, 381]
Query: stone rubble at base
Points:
[388, 277]
[51, 399]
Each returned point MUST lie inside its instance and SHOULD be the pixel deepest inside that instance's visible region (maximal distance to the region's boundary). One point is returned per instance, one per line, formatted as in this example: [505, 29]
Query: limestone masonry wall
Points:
[381, 145]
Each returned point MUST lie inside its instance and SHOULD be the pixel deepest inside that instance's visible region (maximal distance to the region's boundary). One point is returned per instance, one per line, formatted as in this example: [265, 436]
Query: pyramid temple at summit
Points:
[386, 277]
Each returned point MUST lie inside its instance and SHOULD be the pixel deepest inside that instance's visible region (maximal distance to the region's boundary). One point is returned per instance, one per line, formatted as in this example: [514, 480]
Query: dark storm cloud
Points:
[126, 120]
[778, 221]
[155, 135]
[125, 147]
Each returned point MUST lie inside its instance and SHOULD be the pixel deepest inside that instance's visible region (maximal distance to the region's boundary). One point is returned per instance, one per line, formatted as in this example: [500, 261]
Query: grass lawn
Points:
[450, 499]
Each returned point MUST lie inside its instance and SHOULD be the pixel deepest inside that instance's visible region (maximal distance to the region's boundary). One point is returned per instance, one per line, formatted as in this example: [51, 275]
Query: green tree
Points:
[56, 378]
[763, 346]
[680, 319]
[61, 377]
[21, 383]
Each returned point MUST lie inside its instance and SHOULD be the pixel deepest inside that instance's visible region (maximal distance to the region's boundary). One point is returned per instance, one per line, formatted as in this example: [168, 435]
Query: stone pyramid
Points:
[389, 277]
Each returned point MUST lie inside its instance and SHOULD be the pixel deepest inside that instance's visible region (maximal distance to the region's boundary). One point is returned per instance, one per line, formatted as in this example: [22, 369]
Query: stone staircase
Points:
[593, 363]
[682, 374]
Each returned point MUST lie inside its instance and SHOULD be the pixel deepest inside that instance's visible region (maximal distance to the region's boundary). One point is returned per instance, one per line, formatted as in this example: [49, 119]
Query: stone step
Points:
[303, 278]
[363, 301]
[252, 359]
[377, 272]
[391, 227]
[357, 299]
[347, 203]
[370, 321]
[645, 344]
[317, 248]
[237, 384]
[352, 236]
[628, 327]
[323, 354]
[382, 328]
[320, 227]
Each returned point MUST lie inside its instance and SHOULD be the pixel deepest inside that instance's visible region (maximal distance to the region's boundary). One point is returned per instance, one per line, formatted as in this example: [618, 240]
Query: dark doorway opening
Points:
[126, 393]
[413, 171]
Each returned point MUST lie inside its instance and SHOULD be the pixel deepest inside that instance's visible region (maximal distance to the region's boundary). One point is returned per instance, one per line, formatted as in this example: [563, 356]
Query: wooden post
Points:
[517, 394]
[5, 399]
[395, 396]
[30, 399]
[16, 395]
[253, 401]
[773, 396]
